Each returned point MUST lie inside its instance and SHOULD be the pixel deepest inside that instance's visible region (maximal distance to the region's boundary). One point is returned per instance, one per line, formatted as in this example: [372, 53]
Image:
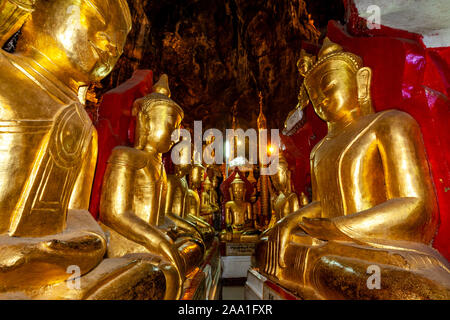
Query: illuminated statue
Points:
[177, 204]
[49, 151]
[213, 196]
[206, 208]
[286, 201]
[373, 206]
[196, 173]
[239, 218]
[132, 205]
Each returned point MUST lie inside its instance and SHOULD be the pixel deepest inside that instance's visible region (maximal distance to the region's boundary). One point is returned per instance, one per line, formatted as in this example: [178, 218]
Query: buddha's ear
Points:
[363, 78]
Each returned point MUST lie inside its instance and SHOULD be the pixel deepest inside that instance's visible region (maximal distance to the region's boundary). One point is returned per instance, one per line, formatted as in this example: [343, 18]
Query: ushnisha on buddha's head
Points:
[79, 41]
[158, 118]
[338, 85]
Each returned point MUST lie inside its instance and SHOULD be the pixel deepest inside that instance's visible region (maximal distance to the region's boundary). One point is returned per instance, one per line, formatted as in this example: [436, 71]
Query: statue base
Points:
[203, 282]
[258, 287]
[236, 259]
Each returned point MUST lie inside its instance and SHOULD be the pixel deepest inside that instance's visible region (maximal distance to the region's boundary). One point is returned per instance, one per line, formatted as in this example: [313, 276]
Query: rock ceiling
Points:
[219, 54]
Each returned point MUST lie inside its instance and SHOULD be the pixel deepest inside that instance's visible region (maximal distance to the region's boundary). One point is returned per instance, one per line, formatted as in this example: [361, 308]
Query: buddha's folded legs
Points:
[70, 265]
[113, 279]
[190, 251]
[341, 270]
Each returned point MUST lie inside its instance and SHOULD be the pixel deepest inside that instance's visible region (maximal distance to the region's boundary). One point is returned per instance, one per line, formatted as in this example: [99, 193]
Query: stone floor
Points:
[233, 292]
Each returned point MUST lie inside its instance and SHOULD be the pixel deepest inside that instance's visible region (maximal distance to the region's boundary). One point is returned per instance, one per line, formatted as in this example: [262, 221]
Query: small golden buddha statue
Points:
[132, 205]
[206, 208]
[213, 196]
[373, 208]
[239, 218]
[286, 201]
[177, 203]
[49, 153]
[196, 174]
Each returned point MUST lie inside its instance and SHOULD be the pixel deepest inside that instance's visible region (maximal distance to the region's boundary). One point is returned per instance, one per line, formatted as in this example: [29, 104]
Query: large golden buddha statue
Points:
[133, 200]
[177, 204]
[239, 217]
[374, 206]
[48, 155]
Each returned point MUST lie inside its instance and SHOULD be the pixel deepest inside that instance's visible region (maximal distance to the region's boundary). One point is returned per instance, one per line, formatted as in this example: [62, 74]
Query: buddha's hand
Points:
[277, 239]
[170, 251]
[322, 228]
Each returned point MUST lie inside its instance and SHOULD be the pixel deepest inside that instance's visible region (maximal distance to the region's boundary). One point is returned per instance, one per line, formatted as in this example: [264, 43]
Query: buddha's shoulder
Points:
[21, 97]
[229, 204]
[130, 157]
[393, 119]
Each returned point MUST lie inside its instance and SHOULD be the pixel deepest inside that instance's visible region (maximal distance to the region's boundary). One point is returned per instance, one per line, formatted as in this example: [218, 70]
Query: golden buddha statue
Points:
[195, 181]
[239, 218]
[213, 196]
[286, 201]
[206, 208]
[49, 153]
[132, 204]
[373, 206]
[177, 204]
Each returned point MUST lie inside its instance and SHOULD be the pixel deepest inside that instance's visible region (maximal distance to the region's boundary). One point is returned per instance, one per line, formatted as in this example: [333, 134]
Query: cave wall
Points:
[221, 53]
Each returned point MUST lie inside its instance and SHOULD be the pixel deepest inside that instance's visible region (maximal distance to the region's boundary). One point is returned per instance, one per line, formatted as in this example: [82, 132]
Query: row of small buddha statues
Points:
[373, 201]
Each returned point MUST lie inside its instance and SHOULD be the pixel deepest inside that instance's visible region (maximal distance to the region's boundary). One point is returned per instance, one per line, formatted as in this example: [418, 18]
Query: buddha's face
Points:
[238, 190]
[281, 179]
[196, 175]
[215, 182]
[181, 169]
[162, 121]
[82, 38]
[333, 90]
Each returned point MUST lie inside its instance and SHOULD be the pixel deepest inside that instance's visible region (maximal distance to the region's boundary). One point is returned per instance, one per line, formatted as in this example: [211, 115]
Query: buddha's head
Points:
[282, 179]
[338, 84]
[182, 167]
[196, 175]
[78, 40]
[207, 184]
[215, 182]
[237, 188]
[158, 119]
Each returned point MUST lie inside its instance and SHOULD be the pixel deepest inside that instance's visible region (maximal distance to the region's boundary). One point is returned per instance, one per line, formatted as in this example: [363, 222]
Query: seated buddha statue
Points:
[132, 203]
[285, 201]
[196, 173]
[239, 218]
[177, 204]
[206, 207]
[213, 196]
[214, 199]
[49, 151]
[373, 207]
